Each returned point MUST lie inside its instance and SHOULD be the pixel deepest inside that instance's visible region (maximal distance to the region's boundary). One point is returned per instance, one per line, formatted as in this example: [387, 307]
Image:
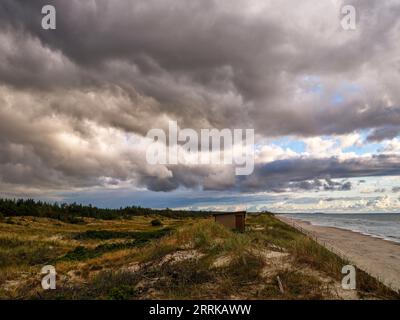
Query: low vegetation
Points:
[190, 258]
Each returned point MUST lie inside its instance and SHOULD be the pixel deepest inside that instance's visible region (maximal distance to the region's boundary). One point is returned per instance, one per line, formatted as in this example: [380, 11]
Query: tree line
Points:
[72, 212]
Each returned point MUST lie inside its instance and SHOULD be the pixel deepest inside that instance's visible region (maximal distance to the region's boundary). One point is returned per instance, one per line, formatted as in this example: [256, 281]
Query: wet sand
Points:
[378, 257]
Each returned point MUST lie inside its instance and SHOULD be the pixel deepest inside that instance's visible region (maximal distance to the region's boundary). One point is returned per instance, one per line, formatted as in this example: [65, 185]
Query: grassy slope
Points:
[184, 258]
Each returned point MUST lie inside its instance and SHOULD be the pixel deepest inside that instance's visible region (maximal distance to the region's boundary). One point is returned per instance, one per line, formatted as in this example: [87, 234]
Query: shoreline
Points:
[378, 257]
[343, 229]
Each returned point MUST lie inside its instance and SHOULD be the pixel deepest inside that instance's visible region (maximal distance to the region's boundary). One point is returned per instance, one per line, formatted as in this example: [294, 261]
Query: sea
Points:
[380, 225]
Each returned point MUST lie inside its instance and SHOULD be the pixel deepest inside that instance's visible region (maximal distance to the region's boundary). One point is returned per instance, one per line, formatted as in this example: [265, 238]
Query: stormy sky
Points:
[76, 102]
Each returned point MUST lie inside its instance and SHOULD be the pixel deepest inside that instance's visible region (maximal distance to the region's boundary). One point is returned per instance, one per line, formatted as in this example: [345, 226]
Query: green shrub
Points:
[156, 223]
[180, 279]
[82, 253]
[122, 292]
[9, 221]
[246, 267]
[109, 234]
[139, 239]
[72, 219]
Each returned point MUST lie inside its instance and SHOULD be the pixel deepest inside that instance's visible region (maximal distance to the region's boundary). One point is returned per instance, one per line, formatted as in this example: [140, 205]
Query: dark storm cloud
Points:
[206, 61]
[132, 65]
[383, 133]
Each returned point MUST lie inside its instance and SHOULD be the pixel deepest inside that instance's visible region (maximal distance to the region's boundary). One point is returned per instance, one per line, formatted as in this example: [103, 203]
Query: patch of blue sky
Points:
[366, 147]
[290, 143]
[339, 96]
[352, 87]
[337, 99]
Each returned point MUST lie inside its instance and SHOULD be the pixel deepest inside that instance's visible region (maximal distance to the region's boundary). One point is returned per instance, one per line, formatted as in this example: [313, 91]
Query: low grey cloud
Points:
[278, 175]
[396, 189]
[383, 133]
[317, 185]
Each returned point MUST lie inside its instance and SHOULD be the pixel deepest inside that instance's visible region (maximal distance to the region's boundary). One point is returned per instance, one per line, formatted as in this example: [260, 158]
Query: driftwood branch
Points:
[280, 285]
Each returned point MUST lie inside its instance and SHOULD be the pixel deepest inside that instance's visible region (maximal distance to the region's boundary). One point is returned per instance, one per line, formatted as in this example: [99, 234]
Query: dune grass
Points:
[184, 258]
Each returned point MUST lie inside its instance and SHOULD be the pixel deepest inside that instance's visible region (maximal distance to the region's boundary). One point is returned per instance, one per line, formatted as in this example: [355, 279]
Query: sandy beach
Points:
[378, 257]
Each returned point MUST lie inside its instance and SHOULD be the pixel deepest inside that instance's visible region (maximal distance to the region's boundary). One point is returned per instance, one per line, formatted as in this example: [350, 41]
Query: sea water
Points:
[381, 225]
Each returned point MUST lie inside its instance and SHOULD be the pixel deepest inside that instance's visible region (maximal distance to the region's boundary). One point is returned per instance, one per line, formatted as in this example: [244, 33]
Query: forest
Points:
[73, 212]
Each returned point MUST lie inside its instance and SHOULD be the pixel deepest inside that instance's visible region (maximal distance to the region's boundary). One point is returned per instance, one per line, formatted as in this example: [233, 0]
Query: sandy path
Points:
[380, 258]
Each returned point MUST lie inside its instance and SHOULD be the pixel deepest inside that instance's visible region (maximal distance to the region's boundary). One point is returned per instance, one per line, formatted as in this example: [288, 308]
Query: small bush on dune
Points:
[183, 279]
[8, 220]
[114, 285]
[202, 240]
[123, 292]
[73, 220]
[246, 267]
[237, 243]
[156, 223]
